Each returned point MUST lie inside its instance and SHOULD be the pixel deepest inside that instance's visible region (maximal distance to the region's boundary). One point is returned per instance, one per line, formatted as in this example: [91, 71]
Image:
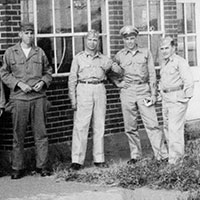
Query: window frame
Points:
[55, 35]
[149, 32]
[185, 34]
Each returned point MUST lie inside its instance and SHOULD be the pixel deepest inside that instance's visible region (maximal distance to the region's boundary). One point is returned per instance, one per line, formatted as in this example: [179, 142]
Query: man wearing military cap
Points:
[176, 85]
[88, 97]
[138, 93]
[26, 71]
[128, 30]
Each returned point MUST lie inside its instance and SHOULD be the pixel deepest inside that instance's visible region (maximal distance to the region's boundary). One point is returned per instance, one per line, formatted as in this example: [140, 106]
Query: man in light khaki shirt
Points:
[88, 97]
[176, 85]
[138, 93]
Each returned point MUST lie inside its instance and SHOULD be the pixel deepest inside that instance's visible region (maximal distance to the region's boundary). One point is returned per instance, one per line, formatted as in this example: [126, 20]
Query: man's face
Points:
[167, 50]
[130, 41]
[92, 43]
[27, 36]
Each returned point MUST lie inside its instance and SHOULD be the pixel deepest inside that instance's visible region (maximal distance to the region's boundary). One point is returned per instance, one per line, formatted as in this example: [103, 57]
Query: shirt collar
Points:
[18, 46]
[138, 49]
[87, 54]
[170, 59]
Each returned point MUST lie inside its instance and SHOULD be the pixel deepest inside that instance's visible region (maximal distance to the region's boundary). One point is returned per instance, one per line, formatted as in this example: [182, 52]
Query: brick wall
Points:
[9, 18]
[170, 18]
[60, 115]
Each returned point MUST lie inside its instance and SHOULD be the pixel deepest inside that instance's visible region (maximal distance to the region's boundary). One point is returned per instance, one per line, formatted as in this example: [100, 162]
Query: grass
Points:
[147, 172]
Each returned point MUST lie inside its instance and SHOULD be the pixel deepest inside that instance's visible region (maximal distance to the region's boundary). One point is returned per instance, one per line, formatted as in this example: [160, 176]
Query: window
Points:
[187, 36]
[147, 16]
[61, 25]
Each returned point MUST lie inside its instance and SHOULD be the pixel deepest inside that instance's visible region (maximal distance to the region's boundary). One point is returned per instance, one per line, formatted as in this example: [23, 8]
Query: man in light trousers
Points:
[176, 85]
[138, 93]
[88, 97]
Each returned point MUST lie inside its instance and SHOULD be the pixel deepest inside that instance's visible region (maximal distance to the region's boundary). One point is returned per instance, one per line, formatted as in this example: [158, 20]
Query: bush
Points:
[147, 172]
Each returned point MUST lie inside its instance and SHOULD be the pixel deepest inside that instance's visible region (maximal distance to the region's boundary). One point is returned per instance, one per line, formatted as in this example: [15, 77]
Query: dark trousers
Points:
[35, 111]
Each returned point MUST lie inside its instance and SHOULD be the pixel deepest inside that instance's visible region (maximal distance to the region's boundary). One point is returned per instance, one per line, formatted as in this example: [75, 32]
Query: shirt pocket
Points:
[127, 67]
[141, 66]
[35, 68]
[84, 68]
[17, 68]
[172, 71]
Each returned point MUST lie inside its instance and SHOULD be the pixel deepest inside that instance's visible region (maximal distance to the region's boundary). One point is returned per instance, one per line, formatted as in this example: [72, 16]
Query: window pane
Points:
[180, 17]
[142, 41]
[96, 15]
[140, 14]
[47, 45]
[79, 44]
[80, 16]
[62, 16]
[192, 50]
[103, 44]
[64, 54]
[155, 48]
[44, 16]
[181, 46]
[191, 18]
[154, 11]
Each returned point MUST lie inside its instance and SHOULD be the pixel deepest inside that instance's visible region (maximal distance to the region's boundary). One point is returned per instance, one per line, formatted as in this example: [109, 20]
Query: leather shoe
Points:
[101, 164]
[43, 172]
[132, 161]
[165, 160]
[17, 174]
[75, 166]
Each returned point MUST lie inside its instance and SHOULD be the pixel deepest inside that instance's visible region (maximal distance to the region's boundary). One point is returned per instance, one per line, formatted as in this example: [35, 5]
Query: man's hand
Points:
[74, 106]
[38, 86]
[153, 99]
[24, 87]
[1, 111]
[116, 68]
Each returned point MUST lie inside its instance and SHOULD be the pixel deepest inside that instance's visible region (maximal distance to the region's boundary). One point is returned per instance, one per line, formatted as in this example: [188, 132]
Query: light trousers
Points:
[91, 108]
[132, 102]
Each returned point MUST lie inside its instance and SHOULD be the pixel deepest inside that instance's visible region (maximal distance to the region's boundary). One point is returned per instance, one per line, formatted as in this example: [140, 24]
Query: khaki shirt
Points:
[137, 67]
[16, 67]
[85, 67]
[2, 96]
[176, 72]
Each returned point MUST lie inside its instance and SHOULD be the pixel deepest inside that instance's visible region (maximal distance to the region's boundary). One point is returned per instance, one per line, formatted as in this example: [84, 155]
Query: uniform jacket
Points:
[176, 72]
[87, 68]
[16, 67]
[137, 67]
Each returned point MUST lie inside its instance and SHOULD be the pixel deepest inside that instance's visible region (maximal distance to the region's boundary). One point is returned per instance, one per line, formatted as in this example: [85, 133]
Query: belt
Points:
[173, 89]
[91, 82]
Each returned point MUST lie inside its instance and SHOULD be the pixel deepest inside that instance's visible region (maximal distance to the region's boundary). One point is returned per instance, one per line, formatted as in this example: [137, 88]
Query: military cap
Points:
[26, 26]
[166, 41]
[128, 30]
[93, 33]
